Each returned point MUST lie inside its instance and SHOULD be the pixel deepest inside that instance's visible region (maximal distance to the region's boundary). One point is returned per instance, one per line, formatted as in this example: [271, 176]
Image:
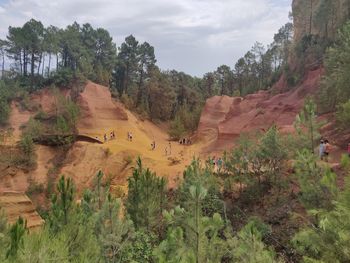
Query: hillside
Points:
[224, 119]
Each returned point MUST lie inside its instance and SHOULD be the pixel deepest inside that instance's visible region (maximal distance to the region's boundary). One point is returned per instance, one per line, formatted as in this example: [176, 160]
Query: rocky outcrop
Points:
[16, 204]
[224, 119]
[305, 17]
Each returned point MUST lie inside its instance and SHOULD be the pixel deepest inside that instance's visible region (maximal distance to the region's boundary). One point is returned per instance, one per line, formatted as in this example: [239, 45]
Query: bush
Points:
[343, 115]
[27, 145]
[4, 111]
[62, 77]
[177, 129]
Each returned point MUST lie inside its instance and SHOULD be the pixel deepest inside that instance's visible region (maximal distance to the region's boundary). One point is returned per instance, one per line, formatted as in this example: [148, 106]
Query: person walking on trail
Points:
[105, 137]
[327, 150]
[153, 145]
[130, 136]
[169, 148]
[322, 149]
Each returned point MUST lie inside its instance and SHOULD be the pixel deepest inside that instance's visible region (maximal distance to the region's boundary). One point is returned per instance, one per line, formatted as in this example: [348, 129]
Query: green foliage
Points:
[62, 203]
[202, 242]
[34, 128]
[196, 174]
[334, 87]
[114, 232]
[237, 161]
[345, 162]
[16, 232]
[177, 129]
[317, 184]
[248, 247]
[307, 127]
[343, 115]
[328, 239]
[5, 96]
[273, 153]
[27, 145]
[146, 198]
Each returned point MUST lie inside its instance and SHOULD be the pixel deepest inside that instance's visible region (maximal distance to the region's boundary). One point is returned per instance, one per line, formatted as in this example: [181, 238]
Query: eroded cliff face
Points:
[319, 17]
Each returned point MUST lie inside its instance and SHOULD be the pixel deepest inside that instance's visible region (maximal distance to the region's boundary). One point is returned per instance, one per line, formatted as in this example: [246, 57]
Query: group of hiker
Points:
[111, 136]
[216, 162]
[185, 141]
[324, 150]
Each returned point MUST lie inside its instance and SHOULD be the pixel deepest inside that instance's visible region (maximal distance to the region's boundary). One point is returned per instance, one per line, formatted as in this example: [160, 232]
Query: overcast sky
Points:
[194, 36]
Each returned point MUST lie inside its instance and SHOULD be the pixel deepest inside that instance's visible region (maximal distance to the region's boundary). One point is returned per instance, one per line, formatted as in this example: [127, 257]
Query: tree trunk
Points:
[139, 93]
[43, 66]
[40, 58]
[32, 69]
[48, 70]
[56, 61]
[24, 63]
[311, 15]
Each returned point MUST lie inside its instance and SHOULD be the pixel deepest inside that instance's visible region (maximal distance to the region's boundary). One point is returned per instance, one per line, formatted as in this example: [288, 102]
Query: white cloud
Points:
[194, 36]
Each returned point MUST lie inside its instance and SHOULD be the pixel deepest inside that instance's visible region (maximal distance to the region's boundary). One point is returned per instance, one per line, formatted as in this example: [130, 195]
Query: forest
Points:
[271, 200]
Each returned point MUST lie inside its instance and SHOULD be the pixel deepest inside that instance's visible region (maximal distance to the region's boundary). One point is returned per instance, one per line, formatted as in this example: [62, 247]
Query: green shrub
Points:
[177, 129]
[4, 111]
[27, 145]
[343, 115]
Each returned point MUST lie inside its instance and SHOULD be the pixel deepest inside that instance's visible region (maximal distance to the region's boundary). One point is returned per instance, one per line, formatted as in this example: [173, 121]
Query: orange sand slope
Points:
[17, 204]
[224, 119]
[101, 115]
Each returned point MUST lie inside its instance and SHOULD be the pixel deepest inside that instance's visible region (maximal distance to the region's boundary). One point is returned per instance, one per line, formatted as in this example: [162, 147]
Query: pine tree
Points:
[307, 126]
[62, 203]
[318, 184]
[114, 232]
[328, 240]
[146, 198]
[17, 232]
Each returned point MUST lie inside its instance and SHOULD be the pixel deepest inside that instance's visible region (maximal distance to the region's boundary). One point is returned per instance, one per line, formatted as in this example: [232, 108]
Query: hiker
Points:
[219, 162]
[213, 160]
[169, 148]
[321, 149]
[349, 149]
[154, 145]
[327, 149]
[105, 137]
[130, 135]
[111, 135]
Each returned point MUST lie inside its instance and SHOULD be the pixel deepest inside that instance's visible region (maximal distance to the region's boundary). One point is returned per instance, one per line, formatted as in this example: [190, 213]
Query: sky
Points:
[194, 36]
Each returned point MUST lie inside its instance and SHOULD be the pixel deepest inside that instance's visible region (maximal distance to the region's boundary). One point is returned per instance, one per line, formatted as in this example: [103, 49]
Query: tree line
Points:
[40, 56]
